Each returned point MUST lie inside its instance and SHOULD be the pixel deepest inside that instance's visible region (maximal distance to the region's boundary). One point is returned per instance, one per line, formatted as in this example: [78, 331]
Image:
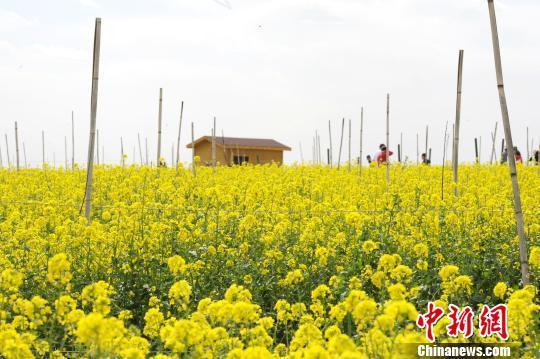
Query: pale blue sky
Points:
[277, 69]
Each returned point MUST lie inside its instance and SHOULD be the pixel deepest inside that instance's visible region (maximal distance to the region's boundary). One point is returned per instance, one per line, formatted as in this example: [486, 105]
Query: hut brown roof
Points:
[244, 143]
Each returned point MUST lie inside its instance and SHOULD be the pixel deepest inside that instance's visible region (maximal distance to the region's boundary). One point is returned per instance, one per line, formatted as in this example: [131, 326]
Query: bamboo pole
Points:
[493, 140]
[387, 137]
[502, 151]
[140, 149]
[520, 224]
[427, 138]
[446, 145]
[17, 145]
[103, 154]
[122, 159]
[179, 133]
[330, 137]
[455, 147]
[361, 139]
[400, 152]
[476, 150]
[193, 151]
[214, 146]
[301, 153]
[443, 161]
[7, 151]
[349, 166]
[93, 110]
[43, 148]
[341, 142]
[328, 155]
[24, 153]
[72, 142]
[492, 148]
[1, 163]
[158, 160]
[172, 154]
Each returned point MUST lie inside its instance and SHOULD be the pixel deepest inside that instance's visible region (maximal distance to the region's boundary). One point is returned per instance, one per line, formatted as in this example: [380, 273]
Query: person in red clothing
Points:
[381, 155]
[517, 155]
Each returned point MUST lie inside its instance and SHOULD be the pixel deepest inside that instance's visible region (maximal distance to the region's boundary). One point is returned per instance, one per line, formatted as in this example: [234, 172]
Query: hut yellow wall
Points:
[204, 151]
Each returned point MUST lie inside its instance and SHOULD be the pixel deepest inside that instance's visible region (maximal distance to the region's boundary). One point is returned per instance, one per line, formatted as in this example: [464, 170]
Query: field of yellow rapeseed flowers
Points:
[258, 261]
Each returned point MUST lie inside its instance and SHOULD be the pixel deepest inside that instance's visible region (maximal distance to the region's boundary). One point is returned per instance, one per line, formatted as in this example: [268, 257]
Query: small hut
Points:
[234, 150]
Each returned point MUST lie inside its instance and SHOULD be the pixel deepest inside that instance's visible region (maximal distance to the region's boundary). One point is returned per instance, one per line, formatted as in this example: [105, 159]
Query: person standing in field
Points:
[381, 155]
[504, 156]
[425, 159]
[518, 157]
[535, 157]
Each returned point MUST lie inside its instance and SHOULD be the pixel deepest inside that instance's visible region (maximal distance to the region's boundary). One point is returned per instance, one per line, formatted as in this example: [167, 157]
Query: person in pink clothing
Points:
[381, 155]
